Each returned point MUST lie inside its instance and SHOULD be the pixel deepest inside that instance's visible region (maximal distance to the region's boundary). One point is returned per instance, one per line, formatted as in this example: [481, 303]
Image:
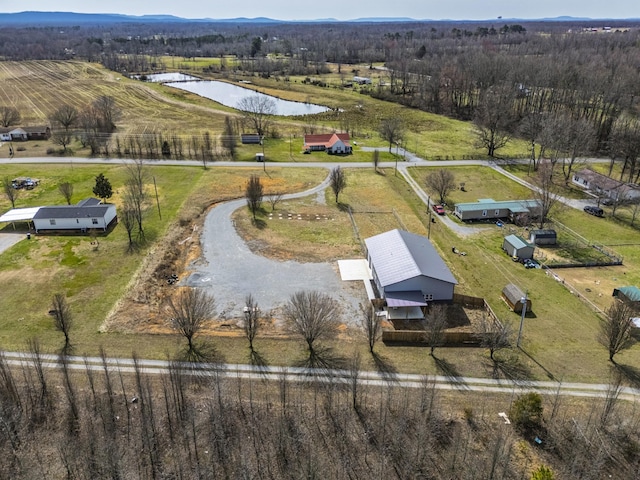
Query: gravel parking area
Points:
[231, 271]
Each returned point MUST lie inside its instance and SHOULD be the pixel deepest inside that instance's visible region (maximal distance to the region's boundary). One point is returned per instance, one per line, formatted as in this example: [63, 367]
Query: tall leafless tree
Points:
[135, 195]
[251, 319]
[64, 118]
[253, 192]
[313, 316]
[9, 192]
[372, 325]
[494, 335]
[62, 318]
[615, 328]
[189, 310]
[435, 323]
[9, 116]
[258, 110]
[66, 190]
[107, 112]
[337, 181]
[391, 130]
[442, 182]
[375, 159]
[494, 120]
[546, 192]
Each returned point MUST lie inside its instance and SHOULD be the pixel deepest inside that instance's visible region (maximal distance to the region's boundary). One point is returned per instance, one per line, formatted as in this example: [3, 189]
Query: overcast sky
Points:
[341, 9]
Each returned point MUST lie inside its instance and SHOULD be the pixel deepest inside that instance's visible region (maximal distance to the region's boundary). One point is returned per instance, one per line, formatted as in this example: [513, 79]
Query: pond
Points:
[230, 95]
[166, 77]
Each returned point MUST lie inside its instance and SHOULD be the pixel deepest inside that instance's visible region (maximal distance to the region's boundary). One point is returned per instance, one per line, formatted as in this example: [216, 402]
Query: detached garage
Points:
[517, 247]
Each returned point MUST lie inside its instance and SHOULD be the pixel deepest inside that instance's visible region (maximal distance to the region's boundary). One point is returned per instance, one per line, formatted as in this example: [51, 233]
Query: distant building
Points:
[362, 80]
[603, 186]
[332, 143]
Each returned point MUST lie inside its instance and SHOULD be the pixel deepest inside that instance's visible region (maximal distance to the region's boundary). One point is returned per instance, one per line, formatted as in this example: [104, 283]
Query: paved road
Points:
[231, 271]
[293, 374]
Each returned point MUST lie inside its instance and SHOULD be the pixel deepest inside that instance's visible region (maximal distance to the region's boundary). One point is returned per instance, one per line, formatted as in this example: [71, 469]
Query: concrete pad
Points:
[8, 240]
[357, 269]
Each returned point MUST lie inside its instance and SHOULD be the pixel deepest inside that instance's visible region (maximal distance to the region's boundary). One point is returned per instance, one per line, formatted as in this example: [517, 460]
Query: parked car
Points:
[439, 209]
[596, 211]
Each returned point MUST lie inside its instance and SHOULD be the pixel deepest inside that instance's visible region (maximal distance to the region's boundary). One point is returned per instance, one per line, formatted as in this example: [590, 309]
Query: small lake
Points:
[230, 95]
[166, 77]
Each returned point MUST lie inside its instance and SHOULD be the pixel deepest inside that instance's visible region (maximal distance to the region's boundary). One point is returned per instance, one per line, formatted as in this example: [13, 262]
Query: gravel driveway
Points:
[231, 271]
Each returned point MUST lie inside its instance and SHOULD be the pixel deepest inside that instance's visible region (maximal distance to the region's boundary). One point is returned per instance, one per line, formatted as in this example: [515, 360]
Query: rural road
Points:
[294, 374]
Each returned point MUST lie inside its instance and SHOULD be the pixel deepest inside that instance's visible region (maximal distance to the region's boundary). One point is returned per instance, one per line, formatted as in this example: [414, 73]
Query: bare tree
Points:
[436, 321]
[615, 328]
[442, 182]
[253, 192]
[546, 192]
[494, 118]
[494, 335]
[107, 112]
[65, 117]
[62, 318]
[258, 110]
[9, 116]
[229, 137]
[66, 190]
[9, 192]
[127, 218]
[338, 181]
[135, 195]
[311, 315]
[392, 130]
[189, 310]
[251, 319]
[274, 199]
[372, 325]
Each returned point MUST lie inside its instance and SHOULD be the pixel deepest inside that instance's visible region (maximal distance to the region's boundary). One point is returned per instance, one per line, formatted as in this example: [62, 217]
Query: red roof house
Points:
[332, 143]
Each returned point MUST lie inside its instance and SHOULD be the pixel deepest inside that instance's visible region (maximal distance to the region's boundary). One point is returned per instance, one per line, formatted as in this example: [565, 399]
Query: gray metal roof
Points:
[89, 202]
[398, 255]
[71, 211]
[517, 242]
[515, 206]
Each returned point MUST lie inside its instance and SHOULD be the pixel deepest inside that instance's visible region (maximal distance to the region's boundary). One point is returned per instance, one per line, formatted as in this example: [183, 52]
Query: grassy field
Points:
[148, 108]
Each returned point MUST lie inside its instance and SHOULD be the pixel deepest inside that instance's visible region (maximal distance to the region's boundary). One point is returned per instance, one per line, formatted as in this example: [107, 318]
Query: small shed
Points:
[629, 294]
[517, 247]
[513, 296]
[250, 139]
[543, 237]
[259, 157]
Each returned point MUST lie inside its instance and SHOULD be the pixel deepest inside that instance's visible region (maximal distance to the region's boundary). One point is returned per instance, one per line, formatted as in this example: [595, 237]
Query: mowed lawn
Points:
[94, 277]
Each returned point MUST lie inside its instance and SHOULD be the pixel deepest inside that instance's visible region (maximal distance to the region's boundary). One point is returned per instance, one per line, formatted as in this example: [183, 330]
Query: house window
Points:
[94, 221]
[428, 297]
[52, 221]
[484, 213]
[77, 220]
[497, 212]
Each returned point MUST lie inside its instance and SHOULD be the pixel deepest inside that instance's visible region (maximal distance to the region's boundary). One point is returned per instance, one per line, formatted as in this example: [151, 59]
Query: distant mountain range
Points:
[71, 18]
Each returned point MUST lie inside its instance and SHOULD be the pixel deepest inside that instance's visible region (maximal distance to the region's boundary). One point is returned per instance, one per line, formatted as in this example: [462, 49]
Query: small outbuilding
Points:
[514, 296]
[517, 247]
[629, 294]
[543, 237]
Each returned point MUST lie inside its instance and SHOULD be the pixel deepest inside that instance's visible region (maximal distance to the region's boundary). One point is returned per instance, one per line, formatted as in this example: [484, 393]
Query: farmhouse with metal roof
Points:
[407, 270]
[333, 143]
[89, 214]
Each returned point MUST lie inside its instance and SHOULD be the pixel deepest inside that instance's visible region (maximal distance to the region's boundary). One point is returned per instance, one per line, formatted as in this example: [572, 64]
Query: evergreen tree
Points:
[103, 187]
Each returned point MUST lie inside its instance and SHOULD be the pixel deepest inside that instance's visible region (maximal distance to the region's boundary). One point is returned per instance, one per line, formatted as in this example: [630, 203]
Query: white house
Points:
[408, 272]
[604, 186]
[87, 215]
[333, 143]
